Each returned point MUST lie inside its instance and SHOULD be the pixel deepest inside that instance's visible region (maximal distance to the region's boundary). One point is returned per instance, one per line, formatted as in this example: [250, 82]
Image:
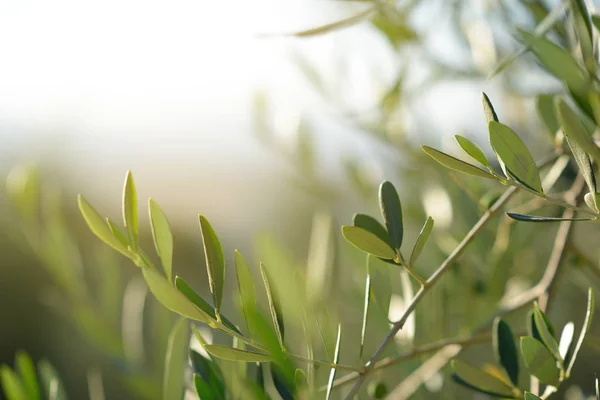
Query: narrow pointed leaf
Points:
[173, 299]
[366, 303]
[285, 389]
[26, 370]
[370, 224]
[514, 155]
[505, 350]
[175, 361]
[247, 290]
[391, 210]
[531, 396]
[121, 237]
[215, 263]
[472, 150]
[533, 218]
[162, 236]
[97, 225]
[469, 386]
[368, 242]
[583, 29]
[547, 112]
[233, 354]
[488, 108]
[566, 338]
[344, 23]
[11, 384]
[274, 305]
[539, 361]
[548, 337]
[481, 380]
[584, 330]
[456, 164]
[203, 389]
[421, 241]
[336, 359]
[130, 212]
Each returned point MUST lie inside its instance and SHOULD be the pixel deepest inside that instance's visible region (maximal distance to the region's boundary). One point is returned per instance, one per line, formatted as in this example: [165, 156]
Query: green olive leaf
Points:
[456, 164]
[368, 242]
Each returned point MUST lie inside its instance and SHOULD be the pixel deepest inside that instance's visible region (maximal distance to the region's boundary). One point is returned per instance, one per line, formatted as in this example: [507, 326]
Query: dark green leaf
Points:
[514, 156]
[52, 385]
[547, 113]
[233, 354]
[481, 380]
[505, 350]
[285, 389]
[488, 108]
[391, 210]
[130, 212]
[456, 164]
[548, 337]
[162, 236]
[215, 263]
[175, 361]
[203, 389]
[539, 361]
[209, 372]
[595, 20]
[531, 396]
[533, 218]
[246, 287]
[472, 150]
[274, 305]
[368, 242]
[336, 359]
[584, 330]
[11, 384]
[370, 224]
[421, 241]
[173, 299]
[462, 382]
[26, 369]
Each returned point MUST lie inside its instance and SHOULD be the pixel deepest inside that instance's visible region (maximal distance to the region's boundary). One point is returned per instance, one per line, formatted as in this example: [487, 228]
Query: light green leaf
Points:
[121, 237]
[566, 338]
[514, 155]
[591, 201]
[99, 227]
[53, 387]
[370, 224]
[11, 384]
[533, 218]
[173, 299]
[162, 236]
[531, 396]
[336, 359]
[176, 361]
[392, 23]
[130, 212]
[215, 263]
[505, 349]
[547, 112]
[583, 29]
[391, 210]
[547, 337]
[456, 164]
[539, 361]
[481, 380]
[488, 108]
[233, 354]
[366, 303]
[584, 330]
[321, 262]
[247, 290]
[334, 26]
[274, 305]
[368, 242]
[421, 241]
[472, 150]
[26, 369]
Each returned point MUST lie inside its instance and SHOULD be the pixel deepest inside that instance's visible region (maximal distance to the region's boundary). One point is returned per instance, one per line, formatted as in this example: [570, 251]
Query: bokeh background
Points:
[217, 108]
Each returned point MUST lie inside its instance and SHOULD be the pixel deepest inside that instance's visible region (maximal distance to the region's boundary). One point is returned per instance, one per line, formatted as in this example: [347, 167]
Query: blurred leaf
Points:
[130, 212]
[377, 390]
[584, 330]
[533, 218]
[393, 25]
[247, 290]
[23, 189]
[11, 384]
[381, 285]
[274, 305]
[203, 389]
[370, 224]
[562, 65]
[176, 361]
[215, 263]
[421, 241]
[391, 211]
[368, 242]
[344, 23]
[481, 381]
[321, 257]
[591, 200]
[336, 359]
[300, 378]
[53, 387]
[456, 164]
[583, 29]
[162, 236]
[531, 396]
[26, 369]
[548, 337]
[566, 338]
[285, 389]
[209, 372]
[539, 361]
[514, 155]
[472, 150]
[488, 109]
[596, 20]
[367, 301]
[505, 349]
[202, 304]
[99, 227]
[232, 354]
[547, 112]
[597, 390]
[173, 299]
